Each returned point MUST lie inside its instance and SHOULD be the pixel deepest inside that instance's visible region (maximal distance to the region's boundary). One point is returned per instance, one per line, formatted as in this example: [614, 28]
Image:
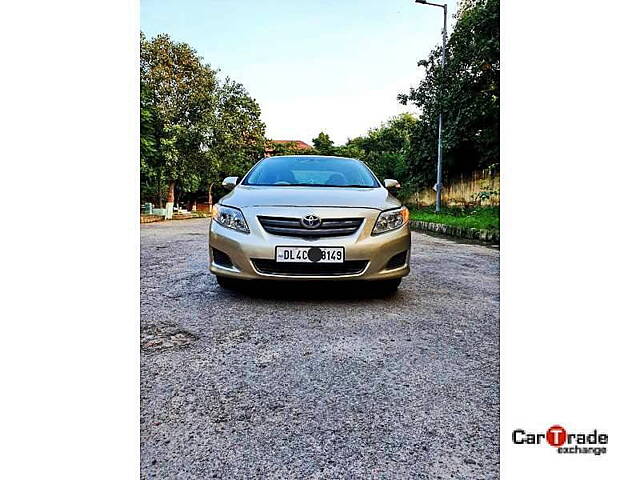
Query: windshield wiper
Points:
[307, 185]
[352, 186]
[283, 185]
[296, 185]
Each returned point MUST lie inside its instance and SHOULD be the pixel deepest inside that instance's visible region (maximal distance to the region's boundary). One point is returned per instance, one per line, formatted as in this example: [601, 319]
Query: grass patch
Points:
[486, 218]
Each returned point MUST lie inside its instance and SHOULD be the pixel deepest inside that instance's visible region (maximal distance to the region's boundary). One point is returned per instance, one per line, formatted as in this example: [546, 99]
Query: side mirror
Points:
[230, 182]
[391, 183]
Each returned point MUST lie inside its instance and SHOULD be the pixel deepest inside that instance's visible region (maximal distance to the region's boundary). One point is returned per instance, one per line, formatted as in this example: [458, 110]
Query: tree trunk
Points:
[158, 191]
[171, 191]
[170, 197]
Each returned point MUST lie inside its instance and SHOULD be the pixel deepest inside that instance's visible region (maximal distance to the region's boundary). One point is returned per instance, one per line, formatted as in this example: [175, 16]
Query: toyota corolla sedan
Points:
[309, 218]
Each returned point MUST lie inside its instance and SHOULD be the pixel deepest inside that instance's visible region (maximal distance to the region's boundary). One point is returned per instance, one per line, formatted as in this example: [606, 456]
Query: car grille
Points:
[291, 227]
[350, 267]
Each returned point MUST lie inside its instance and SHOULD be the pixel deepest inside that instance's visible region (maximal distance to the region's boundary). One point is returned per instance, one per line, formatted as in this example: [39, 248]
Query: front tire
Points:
[227, 283]
[387, 287]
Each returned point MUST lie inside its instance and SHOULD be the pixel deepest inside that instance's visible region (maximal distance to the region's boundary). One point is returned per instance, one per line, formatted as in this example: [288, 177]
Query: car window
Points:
[311, 171]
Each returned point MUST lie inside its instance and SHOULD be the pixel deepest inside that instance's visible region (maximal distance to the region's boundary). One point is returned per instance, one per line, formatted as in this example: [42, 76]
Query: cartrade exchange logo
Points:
[592, 442]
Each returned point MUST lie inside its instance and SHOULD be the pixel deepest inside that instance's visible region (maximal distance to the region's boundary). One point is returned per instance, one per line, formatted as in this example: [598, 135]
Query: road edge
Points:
[489, 236]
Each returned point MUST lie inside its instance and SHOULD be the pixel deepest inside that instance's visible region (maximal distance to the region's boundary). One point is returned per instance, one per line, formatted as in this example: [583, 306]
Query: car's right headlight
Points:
[230, 217]
[391, 220]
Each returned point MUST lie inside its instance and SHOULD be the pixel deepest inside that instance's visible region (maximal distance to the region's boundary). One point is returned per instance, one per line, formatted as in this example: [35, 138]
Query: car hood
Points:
[255, 196]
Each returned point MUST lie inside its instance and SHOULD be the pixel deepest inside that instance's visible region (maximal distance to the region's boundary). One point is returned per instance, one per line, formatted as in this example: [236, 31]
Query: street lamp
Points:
[438, 185]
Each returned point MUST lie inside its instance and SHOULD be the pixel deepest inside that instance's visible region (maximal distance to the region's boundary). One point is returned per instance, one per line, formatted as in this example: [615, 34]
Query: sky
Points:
[313, 65]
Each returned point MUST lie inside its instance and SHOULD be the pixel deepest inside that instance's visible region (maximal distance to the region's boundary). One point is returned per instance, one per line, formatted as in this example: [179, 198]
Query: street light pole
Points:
[438, 185]
[211, 197]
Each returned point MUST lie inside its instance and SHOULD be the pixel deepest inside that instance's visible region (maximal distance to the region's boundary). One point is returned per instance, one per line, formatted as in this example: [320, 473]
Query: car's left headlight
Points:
[391, 220]
[230, 217]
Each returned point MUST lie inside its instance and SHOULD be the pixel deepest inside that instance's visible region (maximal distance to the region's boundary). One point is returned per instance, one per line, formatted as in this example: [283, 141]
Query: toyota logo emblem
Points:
[310, 221]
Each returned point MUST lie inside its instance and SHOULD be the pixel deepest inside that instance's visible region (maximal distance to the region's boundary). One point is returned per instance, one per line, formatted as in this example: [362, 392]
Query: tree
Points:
[351, 149]
[194, 129]
[323, 144]
[151, 179]
[234, 139]
[289, 148]
[467, 91]
[180, 91]
[386, 148]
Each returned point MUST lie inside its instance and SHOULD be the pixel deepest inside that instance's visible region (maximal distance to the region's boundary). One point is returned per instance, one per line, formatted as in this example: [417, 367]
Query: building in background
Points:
[283, 147]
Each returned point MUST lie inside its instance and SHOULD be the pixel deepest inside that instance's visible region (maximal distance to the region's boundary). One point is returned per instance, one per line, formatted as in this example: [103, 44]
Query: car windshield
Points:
[312, 172]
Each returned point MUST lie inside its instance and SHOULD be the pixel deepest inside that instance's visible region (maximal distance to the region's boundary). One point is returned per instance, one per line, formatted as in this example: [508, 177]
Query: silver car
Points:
[309, 218]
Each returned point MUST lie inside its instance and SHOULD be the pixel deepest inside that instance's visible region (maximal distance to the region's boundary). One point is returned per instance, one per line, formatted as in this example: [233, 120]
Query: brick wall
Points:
[463, 191]
[151, 218]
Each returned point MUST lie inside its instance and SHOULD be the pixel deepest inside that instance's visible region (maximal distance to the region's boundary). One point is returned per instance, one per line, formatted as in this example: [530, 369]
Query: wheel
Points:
[387, 287]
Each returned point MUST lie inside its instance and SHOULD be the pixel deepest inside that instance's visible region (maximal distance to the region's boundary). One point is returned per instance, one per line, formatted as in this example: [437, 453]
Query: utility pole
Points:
[438, 185]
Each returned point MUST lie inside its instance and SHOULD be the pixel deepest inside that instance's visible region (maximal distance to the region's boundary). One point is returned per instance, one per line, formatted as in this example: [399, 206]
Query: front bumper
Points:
[374, 252]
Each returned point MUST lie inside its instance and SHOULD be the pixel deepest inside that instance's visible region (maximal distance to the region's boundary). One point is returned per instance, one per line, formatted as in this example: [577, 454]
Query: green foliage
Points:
[386, 147]
[487, 218]
[290, 148]
[323, 144]
[235, 138]
[194, 129]
[485, 194]
[351, 149]
[180, 91]
[468, 92]
[151, 180]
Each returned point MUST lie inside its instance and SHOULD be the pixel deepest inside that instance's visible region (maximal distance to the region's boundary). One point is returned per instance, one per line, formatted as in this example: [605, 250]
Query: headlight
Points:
[391, 220]
[230, 217]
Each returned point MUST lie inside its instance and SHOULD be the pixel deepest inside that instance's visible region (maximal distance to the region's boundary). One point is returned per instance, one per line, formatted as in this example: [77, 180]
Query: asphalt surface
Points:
[318, 382]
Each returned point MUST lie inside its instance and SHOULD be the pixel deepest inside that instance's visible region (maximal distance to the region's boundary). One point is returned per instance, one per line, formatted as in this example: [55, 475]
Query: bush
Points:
[486, 218]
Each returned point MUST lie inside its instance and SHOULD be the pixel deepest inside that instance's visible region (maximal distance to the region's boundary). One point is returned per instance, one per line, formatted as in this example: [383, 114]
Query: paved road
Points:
[318, 384]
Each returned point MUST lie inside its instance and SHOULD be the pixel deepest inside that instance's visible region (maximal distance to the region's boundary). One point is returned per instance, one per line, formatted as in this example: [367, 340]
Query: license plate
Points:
[310, 254]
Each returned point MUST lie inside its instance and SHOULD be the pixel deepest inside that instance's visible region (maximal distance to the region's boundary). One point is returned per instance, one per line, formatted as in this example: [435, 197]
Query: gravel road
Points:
[315, 383]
